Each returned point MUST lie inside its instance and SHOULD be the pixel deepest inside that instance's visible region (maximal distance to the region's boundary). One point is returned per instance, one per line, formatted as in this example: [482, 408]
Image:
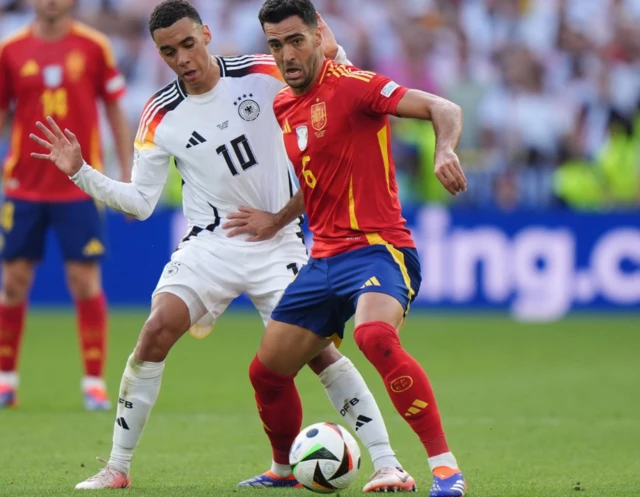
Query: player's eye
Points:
[169, 53]
[189, 45]
[297, 42]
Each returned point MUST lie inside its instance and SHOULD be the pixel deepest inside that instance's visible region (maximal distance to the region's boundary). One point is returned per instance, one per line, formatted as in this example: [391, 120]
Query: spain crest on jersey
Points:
[75, 64]
[319, 116]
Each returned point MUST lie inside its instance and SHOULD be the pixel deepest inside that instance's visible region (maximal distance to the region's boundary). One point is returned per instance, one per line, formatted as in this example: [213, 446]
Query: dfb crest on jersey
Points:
[249, 110]
[303, 137]
[319, 116]
[52, 76]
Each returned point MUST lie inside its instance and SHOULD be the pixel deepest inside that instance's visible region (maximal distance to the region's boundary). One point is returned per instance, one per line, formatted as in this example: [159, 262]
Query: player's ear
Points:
[206, 32]
[317, 35]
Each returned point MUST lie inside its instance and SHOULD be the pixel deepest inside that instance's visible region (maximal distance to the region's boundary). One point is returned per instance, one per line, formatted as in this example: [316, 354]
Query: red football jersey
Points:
[337, 136]
[62, 79]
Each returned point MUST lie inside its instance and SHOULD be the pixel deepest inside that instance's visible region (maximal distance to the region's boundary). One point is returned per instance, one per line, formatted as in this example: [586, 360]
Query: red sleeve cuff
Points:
[397, 96]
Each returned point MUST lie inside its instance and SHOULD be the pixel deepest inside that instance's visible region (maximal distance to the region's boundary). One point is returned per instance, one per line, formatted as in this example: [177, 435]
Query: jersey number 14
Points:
[242, 151]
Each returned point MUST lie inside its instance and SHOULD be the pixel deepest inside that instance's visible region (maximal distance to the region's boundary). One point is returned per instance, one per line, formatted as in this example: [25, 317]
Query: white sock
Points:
[139, 391]
[281, 470]
[446, 459]
[351, 397]
[89, 382]
[9, 378]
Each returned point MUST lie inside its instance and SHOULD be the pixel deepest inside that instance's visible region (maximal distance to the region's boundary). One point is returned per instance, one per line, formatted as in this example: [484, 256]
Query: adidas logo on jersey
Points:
[196, 139]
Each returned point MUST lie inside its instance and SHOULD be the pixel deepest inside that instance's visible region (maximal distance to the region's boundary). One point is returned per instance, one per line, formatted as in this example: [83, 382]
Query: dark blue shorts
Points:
[78, 226]
[324, 295]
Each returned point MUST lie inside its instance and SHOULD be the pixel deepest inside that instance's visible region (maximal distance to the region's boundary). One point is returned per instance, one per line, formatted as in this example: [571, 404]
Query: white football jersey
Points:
[227, 144]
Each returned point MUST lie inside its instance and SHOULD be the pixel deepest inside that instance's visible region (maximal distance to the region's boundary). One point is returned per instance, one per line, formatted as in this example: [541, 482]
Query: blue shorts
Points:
[78, 226]
[324, 295]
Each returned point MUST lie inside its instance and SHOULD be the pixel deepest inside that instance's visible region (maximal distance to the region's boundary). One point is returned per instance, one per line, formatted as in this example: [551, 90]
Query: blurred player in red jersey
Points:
[56, 67]
[363, 262]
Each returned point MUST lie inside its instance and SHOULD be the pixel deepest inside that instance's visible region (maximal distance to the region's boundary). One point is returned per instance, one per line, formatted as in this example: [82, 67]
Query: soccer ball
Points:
[325, 458]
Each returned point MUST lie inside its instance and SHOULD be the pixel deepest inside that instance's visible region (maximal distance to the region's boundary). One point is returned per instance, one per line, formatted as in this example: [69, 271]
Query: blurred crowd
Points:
[550, 89]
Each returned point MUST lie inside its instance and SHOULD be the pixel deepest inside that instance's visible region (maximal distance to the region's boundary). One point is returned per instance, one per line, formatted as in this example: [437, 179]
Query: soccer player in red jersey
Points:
[363, 261]
[60, 68]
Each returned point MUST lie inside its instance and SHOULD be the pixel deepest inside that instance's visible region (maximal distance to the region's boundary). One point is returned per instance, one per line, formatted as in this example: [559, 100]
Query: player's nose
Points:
[288, 54]
[183, 59]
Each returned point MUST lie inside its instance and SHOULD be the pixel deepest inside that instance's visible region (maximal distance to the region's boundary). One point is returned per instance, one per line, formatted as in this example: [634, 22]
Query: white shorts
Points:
[207, 273]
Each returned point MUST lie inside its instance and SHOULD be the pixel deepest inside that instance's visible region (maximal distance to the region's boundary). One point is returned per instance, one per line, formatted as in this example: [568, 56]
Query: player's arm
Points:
[376, 95]
[111, 88]
[264, 225]
[330, 46]
[447, 123]
[138, 198]
[122, 136]
[5, 91]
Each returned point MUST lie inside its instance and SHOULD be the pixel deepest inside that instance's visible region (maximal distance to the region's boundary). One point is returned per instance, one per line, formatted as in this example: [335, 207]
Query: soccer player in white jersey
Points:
[217, 121]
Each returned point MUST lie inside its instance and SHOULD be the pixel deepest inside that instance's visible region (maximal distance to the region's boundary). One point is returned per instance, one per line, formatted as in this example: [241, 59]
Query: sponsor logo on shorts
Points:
[401, 384]
[93, 248]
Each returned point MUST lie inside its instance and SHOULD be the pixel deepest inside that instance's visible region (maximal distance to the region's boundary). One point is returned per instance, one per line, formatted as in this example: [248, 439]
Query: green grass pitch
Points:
[530, 410]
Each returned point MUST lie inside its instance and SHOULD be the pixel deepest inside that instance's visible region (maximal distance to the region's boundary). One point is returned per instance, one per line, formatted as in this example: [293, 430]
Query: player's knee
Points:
[376, 338]
[373, 306]
[84, 281]
[157, 338]
[15, 287]
[12, 295]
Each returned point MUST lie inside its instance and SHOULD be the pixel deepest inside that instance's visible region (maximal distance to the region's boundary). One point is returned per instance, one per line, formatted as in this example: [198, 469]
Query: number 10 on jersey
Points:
[242, 151]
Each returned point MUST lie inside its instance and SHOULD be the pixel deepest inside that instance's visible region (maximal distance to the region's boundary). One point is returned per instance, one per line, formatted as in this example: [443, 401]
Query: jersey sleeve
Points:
[374, 94]
[149, 174]
[5, 81]
[138, 198]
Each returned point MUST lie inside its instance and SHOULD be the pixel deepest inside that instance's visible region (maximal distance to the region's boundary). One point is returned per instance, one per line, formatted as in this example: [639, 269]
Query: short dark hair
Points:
[169, 12]
[275, 11]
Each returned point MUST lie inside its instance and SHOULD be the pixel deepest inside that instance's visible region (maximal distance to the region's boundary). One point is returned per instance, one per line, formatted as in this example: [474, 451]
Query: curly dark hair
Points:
[275, 11]
[169, 12]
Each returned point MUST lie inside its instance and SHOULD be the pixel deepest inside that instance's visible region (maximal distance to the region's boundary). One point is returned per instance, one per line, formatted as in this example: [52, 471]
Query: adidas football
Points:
[325, 458]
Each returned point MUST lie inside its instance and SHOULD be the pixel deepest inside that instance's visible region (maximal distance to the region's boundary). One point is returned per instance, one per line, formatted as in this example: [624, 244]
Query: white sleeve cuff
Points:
[83, 169]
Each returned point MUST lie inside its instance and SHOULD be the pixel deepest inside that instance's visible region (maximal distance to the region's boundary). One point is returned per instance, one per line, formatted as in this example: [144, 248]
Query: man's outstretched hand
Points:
[64, 149]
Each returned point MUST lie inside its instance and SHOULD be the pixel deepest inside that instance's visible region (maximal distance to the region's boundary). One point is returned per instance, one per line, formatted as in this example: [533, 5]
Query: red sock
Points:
[279, 407]
[11, 330]
[406, 382]
[92, 329]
